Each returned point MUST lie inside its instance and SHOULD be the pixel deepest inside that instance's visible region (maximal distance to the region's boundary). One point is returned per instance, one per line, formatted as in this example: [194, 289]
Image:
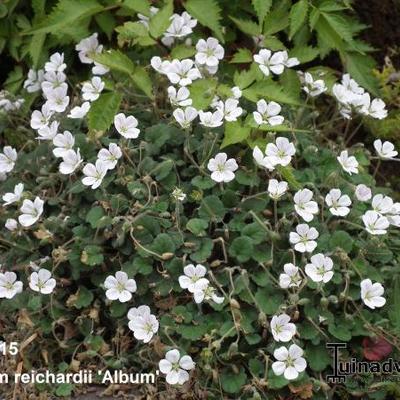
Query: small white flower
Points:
[99, 69]
[180, 97]
[88, 47]
[54, 80]
[230, 109]
[262, 159]
[268, 113]
[48, 132]
[394, 215]
[311, 86]
[320, 269]
[33, 82]
[338, 204]
[30, 211]
[280, 152]
[363, 192]
[111, 156]
[63, 142]
[56, 63]
[290, 362]
[11, 224]
[41, 119]
[126, 126]
[371, 294]
[203, 291]
[42, 281]
[277, 189]
[8, 159]
[192, 275]
[375, 108]
[385, 150]
[382, 204]
[142, 323]
[304, 205]
[211, 119]
[9, 286]
[274, 62]
[209, 52]
[178, 194]
[91, 90]
[79, 111]
[291, 277]
[236, 92]
[176, 367]
[144, 19]
[282, 329]
[57, 100]
[304, 238]
[71, 161]
[374, 223]
[159, 65]
[185, 117]
[13, 197]
[349, 164]
[182, 72]
[120, 287]
[94, 174]
[222, 169]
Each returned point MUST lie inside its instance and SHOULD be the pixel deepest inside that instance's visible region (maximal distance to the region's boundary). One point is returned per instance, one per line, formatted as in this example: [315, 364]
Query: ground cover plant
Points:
[183, 190]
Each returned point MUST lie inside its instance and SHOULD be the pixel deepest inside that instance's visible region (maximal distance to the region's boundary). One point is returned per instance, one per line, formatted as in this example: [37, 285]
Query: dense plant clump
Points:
[182, 204]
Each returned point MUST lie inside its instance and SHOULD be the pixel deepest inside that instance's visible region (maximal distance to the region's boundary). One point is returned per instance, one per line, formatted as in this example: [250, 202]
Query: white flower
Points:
[144, 19]
[209, 52]
[53, 80]
[159, 65]
[182, 72]
[377, 109]
[371, 294]
[203, 291]
[40, 119]
[320, 269]
[94, 174]
[311, 86]
[185, 117]
[48, 132]
[282, 329]
[374, 223]
[111, 156]
[274, 62]
[63, 142]
[338, 204]
[13, 197]
[79, 111]
[280, 152]
[349, 164]
[277, 189]
[211, 119]
[351, 85]
[88, 47]
[126, 126]
[230, 109]
[143, 324]
[42, 281]
[33, 82]
[178, 194]
[291, 277]
[30, 211]
[394, 215]
[56, 63]
[11, 224]
[304, 206]
[175, 367]
[363, 192]
[99, 69]
[120, 287]
[71, 160]
[180, 97]
[304, 238]
[192, 275]
[262, 159]
[91, 90]
[9, 286]
[236, 92]
[268, 113]
[385, 150]
[181, 26]
[222, 169]
[7, 159]
[290, 362]
[382, 204]
[57, 99]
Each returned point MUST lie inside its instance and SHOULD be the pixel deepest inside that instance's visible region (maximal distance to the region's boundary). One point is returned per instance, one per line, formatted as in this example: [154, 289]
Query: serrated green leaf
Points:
[142, 80]
[161, 21]
[139, 6]
[202, 92]
[182, 51]
[242, 56]
[261, 7]
[297, 16]
[246, 26]
[116, 61]
[234, 133]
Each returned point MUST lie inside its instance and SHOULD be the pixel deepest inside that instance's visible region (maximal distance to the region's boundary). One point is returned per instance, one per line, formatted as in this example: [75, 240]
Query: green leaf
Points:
[343, 240]
[202, 92]
[241, 248]
[182, 51]
[235, 133]
[340, 331]
[192, 332]
[197, 226]
[161, 21]
[278, 19]
[64, 389]
[261, 7]
[208, 13]
[102, 111]
[84, 297]
[94, 215]
[272, 91]
[297, 16]
[304, 53]
[139, 6]
[233, 382]
[268, 299]
[242, 56]
[143, 81]
[212, 208]
[116, 61]
[247, 26]
[135, 33]
[92, 255]
[65, 14]
[318, 357]
[163, 244]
